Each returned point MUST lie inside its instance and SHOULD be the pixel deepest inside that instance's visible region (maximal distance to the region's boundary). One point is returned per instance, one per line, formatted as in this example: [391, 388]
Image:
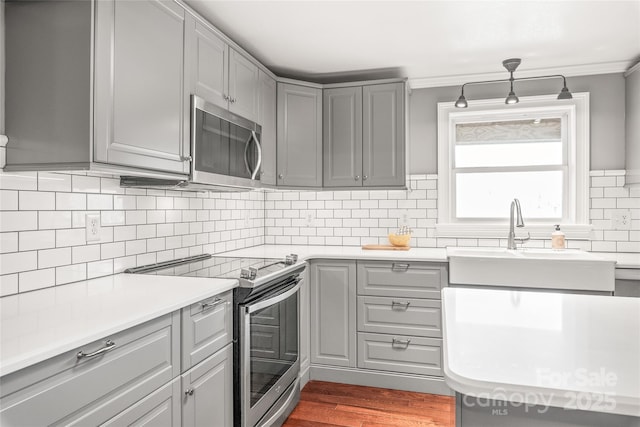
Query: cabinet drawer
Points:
[405, 354]
[160, 408]
[401, 279]
[90, 390]
[418, 317]
[207, 326]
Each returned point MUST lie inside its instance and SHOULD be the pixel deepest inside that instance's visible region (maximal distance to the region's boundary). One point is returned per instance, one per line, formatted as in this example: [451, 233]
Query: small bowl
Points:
[401, 240]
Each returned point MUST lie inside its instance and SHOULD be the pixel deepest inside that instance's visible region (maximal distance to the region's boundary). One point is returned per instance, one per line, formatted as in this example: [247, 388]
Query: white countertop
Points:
[548, 348]
[38, 325]
[339, 252]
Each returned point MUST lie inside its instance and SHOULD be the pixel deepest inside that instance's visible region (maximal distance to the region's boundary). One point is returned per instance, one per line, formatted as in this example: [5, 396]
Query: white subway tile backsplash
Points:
[8, 200]
[37, 279]
[18, 221]
[71, 201]
[19, 181]
[70, 237]
[99, 202]
[8, 242]
[99, 268]
[85, 184]
[49, 181]
[54, 257]
[8, 284]
[30, 240]
[71, 273]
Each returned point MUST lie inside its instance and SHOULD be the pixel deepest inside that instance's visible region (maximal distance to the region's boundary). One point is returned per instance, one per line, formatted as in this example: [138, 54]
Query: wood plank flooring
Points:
[324, 404]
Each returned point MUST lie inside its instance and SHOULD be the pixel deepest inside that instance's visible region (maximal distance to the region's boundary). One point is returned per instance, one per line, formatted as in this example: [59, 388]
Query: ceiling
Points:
[432, 42]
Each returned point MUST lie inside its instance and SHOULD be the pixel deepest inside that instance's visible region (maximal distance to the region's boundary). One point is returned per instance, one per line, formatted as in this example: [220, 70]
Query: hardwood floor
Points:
[324, 404]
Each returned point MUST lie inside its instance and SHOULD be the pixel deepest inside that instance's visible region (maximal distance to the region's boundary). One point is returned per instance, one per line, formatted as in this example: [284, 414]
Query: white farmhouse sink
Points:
[567, 269]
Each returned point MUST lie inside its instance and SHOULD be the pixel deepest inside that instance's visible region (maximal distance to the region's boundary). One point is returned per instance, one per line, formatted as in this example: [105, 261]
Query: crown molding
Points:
[569, 71]
[632, 69]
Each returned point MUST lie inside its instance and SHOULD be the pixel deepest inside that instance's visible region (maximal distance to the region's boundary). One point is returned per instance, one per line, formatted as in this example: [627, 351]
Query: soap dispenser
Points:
[557, 238]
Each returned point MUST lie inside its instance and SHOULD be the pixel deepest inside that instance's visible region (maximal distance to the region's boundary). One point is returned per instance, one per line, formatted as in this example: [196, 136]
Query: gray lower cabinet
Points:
[299, 151]
[364, 136]
[267, 119]
[333, 312]
[208, 391]
[141, 109]
[160, 408]
[390, 311]
[400, 353]
[89, 390]
[207, 326]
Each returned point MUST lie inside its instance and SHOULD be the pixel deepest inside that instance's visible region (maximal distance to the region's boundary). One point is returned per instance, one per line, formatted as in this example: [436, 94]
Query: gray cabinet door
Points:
[267, 119]
[243, 86]
[299, 136]
[383, 134]
[160, 408]
[206, 63]
[333, 313]
[208, 391]
[140, 100]
[342, 137]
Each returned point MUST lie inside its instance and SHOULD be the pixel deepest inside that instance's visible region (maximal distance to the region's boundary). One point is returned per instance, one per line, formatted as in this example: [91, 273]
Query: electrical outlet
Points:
[309, 219]
[93, 227]
[403, 218]
[621, 219]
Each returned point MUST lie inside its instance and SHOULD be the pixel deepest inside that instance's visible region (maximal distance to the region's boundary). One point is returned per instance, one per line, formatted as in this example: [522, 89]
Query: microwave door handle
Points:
[246, 159]
[259, 162]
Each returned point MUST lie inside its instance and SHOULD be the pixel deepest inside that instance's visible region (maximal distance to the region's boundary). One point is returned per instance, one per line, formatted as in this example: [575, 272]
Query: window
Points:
[536, 151]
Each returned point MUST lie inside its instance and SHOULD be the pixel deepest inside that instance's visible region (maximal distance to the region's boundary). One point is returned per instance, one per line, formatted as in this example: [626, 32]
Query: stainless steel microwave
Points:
[225, 148]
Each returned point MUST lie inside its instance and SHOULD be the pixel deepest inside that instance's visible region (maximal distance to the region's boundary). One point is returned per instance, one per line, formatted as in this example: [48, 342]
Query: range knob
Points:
[249, 273]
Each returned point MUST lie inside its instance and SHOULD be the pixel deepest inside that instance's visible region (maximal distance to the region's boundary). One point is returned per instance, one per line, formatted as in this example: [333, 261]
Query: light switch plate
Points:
[93, 227]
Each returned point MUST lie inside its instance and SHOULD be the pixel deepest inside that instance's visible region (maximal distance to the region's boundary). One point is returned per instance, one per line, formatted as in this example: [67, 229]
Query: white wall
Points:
[607, 102]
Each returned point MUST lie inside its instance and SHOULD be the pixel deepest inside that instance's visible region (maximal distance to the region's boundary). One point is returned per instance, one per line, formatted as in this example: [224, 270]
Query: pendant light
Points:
[511, 65]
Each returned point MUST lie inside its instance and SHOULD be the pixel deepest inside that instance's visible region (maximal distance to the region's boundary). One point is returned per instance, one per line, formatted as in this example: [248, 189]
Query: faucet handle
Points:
[521, 241]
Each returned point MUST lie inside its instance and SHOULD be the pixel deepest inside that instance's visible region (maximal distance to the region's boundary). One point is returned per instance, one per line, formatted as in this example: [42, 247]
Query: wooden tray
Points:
[385, 248]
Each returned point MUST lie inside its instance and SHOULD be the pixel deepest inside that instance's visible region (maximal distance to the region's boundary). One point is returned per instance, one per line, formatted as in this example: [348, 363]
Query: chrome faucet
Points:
[515, 205]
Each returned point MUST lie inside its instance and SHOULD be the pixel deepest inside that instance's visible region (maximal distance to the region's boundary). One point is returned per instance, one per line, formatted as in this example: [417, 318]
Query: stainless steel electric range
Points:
[266, 330]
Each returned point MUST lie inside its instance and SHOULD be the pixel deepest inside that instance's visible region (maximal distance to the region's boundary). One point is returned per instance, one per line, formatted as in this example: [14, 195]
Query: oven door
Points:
[225, 147]
[269, 350]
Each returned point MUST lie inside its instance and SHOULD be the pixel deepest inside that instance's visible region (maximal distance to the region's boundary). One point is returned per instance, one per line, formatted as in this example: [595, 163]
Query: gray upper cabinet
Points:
[141, 111]
[299, 152]
[243, 86]
[207, 59]
[632, 125]
[267, 118]
[333, 313]
[364, 136]
[383, 135]
[218, 73]
[342, 133]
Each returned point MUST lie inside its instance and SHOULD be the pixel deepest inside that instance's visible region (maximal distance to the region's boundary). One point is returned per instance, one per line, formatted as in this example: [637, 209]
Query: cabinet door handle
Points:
[400, 305]
[207, 305]
[108, 346]
[189, 391]
[403, 344]
[225, 97]
[280, 175]
[399, 267]
[357, 177]
[365, 177]
[186, 158]
[232, 100]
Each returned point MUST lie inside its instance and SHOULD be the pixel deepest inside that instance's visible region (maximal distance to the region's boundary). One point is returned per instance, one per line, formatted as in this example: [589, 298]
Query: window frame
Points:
[575, 221]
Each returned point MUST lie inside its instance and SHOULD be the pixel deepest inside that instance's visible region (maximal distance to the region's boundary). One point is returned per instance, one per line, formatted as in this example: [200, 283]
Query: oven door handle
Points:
[276, 299]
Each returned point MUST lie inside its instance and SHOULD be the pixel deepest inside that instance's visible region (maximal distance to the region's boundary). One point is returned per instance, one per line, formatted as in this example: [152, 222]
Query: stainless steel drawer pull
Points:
[399, 267]
[400, 305]
[189, 391]
[108, 346]
[207, 305]
[400, 343]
